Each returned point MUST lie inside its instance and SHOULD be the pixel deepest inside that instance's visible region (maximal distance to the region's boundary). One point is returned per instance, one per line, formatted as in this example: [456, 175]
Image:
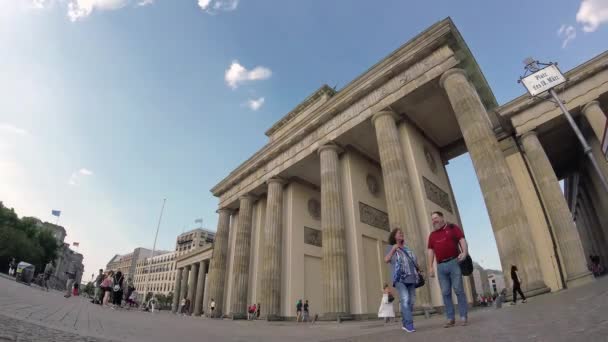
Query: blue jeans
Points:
[407, 298]
[450, 277]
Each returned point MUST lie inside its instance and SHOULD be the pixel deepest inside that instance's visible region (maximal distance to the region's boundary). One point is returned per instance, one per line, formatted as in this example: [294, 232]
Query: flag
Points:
[75, 244]
[56, 212]
[200, 220]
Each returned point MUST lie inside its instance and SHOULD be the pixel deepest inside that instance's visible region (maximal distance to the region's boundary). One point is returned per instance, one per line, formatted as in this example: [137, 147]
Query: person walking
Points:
[298, 310]
[106, 287]
[97, 295]
[12, 266]
[386, 311]
[48, 272]
[404, 273]
[448, 244]
[212, 308]
[257, 313]
[71, 274]
[516, 285]
[117, 289]
[305, 318]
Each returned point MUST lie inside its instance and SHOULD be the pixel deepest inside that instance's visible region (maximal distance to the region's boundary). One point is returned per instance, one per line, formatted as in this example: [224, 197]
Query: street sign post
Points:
[539, 80]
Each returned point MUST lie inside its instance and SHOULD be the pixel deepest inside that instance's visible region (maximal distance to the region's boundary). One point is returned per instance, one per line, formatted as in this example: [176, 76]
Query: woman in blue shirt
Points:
[403, 265]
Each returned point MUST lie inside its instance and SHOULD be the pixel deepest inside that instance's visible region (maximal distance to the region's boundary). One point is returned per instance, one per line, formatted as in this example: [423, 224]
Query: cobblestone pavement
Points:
[30, 314]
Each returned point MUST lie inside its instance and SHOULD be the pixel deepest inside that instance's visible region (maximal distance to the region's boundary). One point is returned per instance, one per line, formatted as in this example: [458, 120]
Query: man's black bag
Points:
[466, 265]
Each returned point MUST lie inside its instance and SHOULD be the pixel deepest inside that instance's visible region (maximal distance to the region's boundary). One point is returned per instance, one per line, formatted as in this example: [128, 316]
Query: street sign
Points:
[543, 80]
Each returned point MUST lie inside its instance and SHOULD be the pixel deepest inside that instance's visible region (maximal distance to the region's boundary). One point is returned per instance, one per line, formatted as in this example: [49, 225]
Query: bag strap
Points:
[410, 259]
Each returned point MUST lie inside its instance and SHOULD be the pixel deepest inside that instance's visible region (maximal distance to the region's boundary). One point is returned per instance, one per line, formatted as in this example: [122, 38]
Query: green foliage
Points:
[89, 289]
[148, 296]
[23, 240]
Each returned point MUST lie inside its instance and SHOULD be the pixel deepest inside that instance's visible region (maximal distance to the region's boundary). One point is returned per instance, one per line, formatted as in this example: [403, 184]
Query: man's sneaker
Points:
[409, 328]
[524, 301]
[464, 322]
[449, 324]
[512, 303]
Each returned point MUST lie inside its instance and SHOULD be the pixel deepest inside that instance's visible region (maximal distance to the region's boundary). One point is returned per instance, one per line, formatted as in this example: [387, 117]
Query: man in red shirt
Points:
[448, 244]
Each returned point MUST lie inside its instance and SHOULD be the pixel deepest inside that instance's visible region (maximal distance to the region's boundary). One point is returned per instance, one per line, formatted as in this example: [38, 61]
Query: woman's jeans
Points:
[407, 298]
[450, 277]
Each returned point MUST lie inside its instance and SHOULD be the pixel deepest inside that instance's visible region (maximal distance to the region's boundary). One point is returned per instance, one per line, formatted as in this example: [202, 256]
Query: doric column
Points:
[335, 267]
[271, 260]
[505, 208]
[399, 194]
[200, 288]
[596, 233]
[176, 291]
[185, 285]
[218, 264]
[596, 118]
[566, 234]
[240, 273]
[192, 285]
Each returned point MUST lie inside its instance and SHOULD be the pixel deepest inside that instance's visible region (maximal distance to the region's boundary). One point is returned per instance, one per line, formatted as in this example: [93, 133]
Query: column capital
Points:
[330, 145]
[590, 105]
[528, 134]
[227, 211]
[279, 180]
[250, 197]
[383, 113]
[451, 72]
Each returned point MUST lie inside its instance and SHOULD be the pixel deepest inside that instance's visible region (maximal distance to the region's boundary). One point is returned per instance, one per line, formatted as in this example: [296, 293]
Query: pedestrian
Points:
[306, 315]
[516, 280]
[98, 293]
[133, 298]
[130, 289]
[298, 310]
[152, 303]
[405, 275]
[386, 311]
[75, 289]
[48, 272]
[117, 289]
[106, 286]
[71, 278]
[448, 244]
[212, 308]
[12, 266]
[251, 311]
[258, 311]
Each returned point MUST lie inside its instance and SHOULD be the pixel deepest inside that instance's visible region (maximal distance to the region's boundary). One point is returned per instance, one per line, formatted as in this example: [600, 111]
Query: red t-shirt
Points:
[444, 242]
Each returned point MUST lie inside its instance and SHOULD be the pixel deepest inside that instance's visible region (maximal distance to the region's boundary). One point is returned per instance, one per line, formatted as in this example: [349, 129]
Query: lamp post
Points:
[153, 249]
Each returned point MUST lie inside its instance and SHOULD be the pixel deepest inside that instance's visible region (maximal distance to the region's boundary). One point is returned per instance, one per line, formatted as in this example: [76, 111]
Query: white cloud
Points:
[592, 13]
[255, 104]
[143, 3]
[567, 33]
[12, 129]
[80, 9]
[214, 6]
[41, 4]
[78, 175]
[238, 74]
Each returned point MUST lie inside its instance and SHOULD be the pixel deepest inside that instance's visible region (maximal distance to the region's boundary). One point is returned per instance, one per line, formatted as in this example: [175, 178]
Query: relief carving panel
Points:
[313, 237]
[436, 195]
[373, 217]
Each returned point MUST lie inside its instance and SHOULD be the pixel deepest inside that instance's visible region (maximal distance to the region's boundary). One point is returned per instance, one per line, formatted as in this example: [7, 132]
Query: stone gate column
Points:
[596, 233]
[185, 285]
[240, 275]
[271, 262]
[335, 267]
[596, 118]
[567, 237]
[399, 198]
[200, 288]
[176, 291]
[505, 208]
[218, 263]
[192, 281]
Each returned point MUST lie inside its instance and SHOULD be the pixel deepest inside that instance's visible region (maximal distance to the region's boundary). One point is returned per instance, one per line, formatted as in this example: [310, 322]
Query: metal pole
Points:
[154, 248]
[581, 138]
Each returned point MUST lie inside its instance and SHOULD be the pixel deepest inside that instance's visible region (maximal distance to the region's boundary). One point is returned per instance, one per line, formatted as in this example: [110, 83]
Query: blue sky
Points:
[108, 106]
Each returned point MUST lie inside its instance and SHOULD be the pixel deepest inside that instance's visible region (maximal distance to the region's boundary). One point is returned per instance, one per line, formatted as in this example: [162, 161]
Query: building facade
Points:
[308, 215]
[67, 261]
[127, 263]
[193, 239]
[161, 276]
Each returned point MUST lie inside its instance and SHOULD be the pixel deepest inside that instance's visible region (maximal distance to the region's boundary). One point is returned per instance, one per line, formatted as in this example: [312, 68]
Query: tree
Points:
[89, 289]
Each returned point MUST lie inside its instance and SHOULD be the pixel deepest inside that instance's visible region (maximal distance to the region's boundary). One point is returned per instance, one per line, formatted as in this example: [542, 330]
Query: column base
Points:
[238, 316]
[336, 316]
[273, 318]
[579, 280]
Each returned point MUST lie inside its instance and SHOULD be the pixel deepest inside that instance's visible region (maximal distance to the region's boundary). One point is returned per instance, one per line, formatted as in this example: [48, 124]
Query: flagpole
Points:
[162, 209]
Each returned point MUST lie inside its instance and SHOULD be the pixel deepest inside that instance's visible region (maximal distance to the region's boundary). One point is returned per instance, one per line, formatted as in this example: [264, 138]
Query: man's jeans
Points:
[407, 298]
[450, 277]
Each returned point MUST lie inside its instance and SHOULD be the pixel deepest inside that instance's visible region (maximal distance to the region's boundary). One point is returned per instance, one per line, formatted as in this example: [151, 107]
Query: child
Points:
[386, 310]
